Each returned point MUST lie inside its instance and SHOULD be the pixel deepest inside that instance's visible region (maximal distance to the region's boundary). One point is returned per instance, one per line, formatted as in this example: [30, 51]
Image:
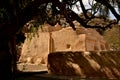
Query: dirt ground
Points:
[46, 76]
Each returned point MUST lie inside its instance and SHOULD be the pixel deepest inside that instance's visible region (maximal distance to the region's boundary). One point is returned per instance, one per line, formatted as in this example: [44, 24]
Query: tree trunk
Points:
[5, 59]
[13, 52]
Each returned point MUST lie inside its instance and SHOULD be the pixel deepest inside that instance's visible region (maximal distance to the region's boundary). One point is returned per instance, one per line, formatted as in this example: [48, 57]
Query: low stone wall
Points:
[104, 64]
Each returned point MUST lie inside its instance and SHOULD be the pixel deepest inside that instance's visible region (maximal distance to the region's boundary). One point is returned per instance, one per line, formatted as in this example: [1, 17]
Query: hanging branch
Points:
[30, 10]
[107, 4]
[83, 9]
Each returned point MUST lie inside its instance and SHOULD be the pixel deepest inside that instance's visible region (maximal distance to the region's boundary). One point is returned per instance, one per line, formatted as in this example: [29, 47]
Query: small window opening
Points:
[68, 46]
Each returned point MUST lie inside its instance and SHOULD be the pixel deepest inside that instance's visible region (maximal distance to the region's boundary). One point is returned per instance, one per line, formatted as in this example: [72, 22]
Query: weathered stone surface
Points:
[80, 40]
[35, 50]
[52, 39]
[85, 64]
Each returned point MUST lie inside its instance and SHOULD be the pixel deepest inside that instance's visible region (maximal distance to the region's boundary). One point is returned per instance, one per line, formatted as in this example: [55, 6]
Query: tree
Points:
[15, 13]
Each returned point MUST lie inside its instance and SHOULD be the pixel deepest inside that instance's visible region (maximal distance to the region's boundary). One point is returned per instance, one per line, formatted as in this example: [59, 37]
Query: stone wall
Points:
[105, 64]
[52, 39]
[35, 51]
[67, 40]
[80, 40]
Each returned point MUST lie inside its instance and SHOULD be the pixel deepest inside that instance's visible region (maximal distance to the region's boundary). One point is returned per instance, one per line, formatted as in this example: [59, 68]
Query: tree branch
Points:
[83, 9]
[105, 3]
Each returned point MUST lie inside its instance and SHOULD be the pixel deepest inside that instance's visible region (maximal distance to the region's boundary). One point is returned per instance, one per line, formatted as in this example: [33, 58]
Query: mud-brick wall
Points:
[105, 64]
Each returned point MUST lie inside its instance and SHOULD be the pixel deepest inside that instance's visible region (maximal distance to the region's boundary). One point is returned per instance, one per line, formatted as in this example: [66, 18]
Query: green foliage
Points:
[31, 28]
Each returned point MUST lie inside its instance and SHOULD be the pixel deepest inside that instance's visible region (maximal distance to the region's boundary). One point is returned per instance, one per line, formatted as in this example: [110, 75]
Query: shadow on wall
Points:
[85, 64]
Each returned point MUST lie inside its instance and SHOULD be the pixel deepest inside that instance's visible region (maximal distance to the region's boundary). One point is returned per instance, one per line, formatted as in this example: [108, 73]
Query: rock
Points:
[52, 39]
[85, 64]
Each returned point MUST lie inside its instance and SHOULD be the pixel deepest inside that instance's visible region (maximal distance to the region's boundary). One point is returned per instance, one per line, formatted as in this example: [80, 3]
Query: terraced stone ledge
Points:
[103, 64]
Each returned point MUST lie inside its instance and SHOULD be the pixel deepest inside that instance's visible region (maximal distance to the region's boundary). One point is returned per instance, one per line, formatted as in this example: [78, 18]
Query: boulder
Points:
[85, 64]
